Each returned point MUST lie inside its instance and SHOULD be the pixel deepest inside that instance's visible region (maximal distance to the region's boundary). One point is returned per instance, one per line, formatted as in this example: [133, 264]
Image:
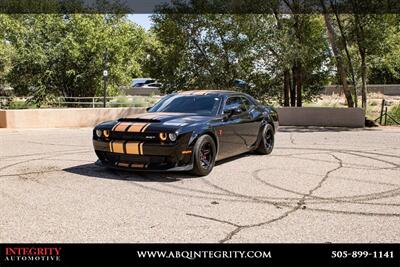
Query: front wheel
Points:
[267, 140]
[204, 155]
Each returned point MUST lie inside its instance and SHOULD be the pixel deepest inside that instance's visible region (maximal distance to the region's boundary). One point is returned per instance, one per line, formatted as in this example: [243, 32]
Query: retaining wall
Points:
[88, 117]
[328, 117]
[62, 118]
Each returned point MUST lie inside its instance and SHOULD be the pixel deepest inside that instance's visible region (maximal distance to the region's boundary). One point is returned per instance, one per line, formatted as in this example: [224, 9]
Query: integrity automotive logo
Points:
[32, 254]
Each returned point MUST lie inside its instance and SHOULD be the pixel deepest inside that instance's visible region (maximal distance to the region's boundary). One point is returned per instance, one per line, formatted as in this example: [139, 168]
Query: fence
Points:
[83, 102]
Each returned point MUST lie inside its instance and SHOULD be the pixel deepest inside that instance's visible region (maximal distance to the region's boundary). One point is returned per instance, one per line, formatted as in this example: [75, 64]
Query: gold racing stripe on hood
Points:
[145, 127]
[136, 127]
[121, 127]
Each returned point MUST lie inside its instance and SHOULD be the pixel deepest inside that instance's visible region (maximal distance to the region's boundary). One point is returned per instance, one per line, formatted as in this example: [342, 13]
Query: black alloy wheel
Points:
[204, 155]
[267, 142]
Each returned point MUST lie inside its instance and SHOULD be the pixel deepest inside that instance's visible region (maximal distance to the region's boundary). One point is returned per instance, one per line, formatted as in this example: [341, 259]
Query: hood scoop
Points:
[137, 120]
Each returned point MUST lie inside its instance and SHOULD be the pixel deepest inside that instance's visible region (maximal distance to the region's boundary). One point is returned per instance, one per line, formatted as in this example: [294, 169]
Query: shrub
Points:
[394, 112]
[121, 102]
[20, 104]
[139, 102]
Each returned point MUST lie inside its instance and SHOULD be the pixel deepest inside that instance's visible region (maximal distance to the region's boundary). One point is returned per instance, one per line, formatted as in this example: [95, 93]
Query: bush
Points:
[20, 104]
[394, 112]
[120, 102]
[139, 102]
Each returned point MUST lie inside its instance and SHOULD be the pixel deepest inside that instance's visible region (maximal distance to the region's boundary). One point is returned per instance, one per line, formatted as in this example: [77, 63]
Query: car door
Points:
[251, 120]
[232, 130]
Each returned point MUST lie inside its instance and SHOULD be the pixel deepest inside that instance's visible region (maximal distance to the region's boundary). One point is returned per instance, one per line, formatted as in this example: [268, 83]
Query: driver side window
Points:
[247, 104]
[232, 102]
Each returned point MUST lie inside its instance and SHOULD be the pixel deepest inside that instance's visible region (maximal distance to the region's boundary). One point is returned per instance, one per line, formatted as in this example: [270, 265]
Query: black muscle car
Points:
[187, 131]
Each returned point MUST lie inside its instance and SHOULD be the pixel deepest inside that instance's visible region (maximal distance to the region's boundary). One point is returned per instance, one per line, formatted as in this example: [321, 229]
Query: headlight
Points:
[99, 133]
[172, 137]
[163, 136]
[106, 133]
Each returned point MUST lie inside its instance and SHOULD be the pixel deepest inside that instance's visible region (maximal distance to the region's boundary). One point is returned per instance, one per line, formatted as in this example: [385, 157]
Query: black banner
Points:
[200, 255]
[200, 6]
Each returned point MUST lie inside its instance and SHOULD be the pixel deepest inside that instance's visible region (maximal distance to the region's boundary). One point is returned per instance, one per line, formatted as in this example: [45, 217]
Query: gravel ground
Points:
[319, 185]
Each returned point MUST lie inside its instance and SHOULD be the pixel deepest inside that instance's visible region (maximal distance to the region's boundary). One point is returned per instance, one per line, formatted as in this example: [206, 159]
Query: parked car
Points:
[145, 82]
[152, 85]
[187, 131]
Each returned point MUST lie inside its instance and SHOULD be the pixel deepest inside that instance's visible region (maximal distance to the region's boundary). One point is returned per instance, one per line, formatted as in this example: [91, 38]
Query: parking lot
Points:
[318, 185]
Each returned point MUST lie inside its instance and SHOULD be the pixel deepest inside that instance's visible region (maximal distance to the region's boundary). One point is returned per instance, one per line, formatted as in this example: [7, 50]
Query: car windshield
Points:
[204, 105]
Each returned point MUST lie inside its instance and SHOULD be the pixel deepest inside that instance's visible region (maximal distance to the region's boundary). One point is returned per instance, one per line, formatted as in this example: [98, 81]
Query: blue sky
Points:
[141, 19]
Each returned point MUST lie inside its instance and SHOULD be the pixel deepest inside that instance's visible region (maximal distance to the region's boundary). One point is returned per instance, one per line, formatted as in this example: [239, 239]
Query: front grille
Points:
[148, 137]
[112, 157]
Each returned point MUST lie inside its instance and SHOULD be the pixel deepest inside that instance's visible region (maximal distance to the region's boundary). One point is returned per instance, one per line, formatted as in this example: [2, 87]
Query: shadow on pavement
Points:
[93, 170]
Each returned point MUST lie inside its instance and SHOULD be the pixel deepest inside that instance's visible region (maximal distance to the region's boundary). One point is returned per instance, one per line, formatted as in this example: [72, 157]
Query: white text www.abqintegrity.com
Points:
[203, 254]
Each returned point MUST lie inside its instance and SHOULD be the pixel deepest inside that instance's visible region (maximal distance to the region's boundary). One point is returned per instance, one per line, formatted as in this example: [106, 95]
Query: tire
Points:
[204, 162]
[102, 160]
[267, 140]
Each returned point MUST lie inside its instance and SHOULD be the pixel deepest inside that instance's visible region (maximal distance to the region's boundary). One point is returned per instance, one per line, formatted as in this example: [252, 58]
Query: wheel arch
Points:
[208, 132]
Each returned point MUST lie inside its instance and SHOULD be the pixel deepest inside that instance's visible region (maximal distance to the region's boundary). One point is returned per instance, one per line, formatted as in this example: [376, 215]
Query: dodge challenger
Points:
[187, 131]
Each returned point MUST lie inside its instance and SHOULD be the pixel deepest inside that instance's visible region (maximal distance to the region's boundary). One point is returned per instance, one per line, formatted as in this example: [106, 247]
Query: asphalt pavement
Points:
[318, 185]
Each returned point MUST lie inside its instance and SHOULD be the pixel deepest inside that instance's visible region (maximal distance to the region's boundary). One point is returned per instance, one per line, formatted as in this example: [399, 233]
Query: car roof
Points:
[208, 92]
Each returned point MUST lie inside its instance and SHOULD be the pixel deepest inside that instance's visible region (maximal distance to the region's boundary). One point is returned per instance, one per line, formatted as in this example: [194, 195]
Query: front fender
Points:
[197, 131]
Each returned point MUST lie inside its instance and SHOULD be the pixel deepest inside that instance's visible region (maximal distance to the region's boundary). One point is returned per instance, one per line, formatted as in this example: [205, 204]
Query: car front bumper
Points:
[130, 155]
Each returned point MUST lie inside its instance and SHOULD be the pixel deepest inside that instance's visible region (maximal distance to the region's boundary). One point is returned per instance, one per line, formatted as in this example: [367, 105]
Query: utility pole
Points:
[105, 78]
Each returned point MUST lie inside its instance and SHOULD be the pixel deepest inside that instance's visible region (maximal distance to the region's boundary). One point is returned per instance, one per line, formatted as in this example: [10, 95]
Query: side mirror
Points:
[147, 109]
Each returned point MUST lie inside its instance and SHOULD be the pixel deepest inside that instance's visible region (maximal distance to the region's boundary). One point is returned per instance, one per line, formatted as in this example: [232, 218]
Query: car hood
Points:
[166, 120]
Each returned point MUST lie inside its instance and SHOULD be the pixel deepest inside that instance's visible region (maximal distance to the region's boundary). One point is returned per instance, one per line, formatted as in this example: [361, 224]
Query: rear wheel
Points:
[204, 155]
[267, 140]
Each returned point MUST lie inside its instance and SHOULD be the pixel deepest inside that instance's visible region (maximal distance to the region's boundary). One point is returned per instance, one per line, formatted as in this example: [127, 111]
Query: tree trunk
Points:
[339, 61]
[286, 88]
[363, 79]
[293, 88]
[299, 84]
[344, 38]
[363, 54]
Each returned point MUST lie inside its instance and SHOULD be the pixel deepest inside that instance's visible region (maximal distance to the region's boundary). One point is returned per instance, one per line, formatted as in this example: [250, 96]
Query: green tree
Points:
[63, 55]
[212, 50]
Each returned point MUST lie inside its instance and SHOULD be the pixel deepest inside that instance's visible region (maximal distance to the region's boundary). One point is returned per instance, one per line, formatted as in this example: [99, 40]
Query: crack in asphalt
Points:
[298, 202]
[300, 205]
[213, 219]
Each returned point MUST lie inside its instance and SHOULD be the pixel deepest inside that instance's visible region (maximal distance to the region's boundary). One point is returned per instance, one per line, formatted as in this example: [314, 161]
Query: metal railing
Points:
[86, 102]
[383, 117]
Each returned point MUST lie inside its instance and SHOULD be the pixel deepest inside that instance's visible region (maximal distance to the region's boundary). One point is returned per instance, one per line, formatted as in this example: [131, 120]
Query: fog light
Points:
[99, 133]
[163, 136]
[172, 137]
